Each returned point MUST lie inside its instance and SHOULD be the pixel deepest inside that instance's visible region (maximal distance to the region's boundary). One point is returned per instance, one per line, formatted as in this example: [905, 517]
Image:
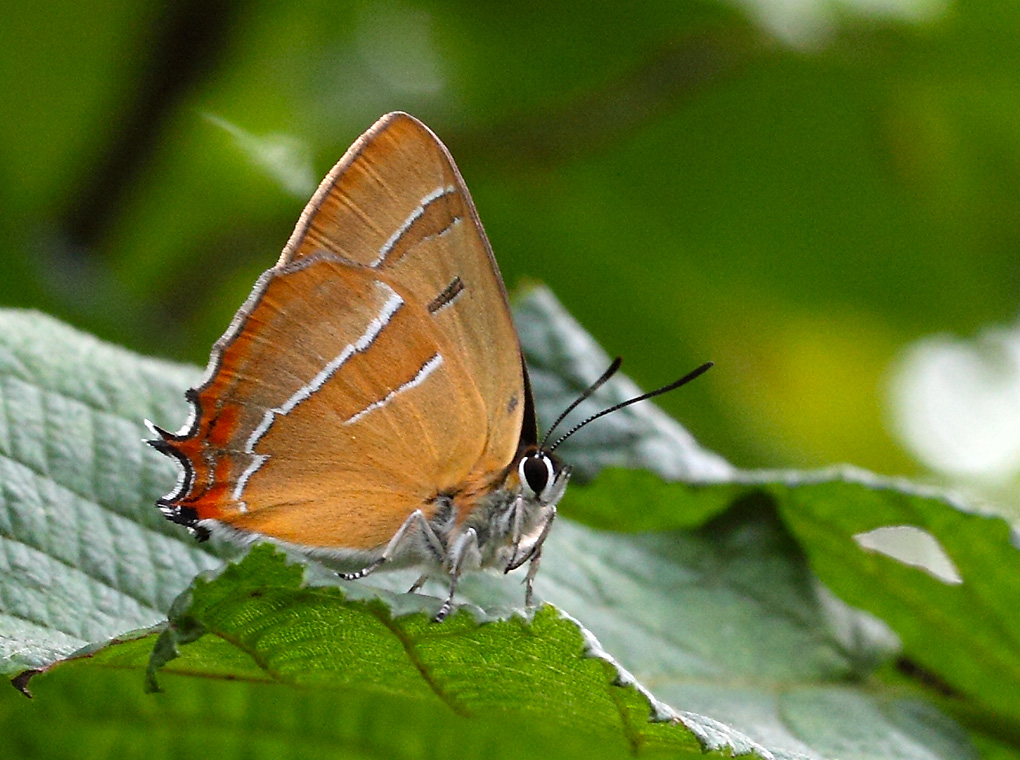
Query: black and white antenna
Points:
[616, 407]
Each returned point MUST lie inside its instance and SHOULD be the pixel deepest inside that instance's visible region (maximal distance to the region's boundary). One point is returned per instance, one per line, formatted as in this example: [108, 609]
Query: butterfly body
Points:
[369, 404]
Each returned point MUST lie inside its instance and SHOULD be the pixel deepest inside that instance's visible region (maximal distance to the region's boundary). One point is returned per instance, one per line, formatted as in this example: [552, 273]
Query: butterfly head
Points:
[543, 477]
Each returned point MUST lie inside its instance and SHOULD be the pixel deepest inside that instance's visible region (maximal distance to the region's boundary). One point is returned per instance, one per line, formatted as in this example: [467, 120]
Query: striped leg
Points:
[467, 542]
[417, 518]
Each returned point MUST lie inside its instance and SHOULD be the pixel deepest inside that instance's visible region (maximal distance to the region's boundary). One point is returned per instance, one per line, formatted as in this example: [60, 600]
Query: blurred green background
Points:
[808, 192]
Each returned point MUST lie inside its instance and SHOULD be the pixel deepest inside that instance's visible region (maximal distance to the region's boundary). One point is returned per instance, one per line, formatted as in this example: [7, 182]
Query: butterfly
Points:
[369, 404]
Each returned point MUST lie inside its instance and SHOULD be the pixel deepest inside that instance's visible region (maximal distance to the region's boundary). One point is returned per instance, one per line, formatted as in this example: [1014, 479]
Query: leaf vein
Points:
[420, 666]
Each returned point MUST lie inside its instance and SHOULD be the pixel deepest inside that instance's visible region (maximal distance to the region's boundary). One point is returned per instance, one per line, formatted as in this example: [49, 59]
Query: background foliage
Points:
[804, 192]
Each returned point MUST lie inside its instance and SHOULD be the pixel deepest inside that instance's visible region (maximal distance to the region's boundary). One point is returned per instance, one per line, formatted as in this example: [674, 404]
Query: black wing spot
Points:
[448, 296]
[512, 404]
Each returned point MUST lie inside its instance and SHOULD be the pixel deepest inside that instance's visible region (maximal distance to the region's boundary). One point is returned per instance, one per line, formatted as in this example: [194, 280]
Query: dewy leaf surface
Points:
[714, 609]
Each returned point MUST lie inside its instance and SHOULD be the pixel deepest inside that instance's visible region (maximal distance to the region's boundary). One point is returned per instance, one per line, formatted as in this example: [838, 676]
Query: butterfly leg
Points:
[529, 579]
[466, 543]
[418, 583]
[416, 519]
[517, 533]
[535, 555]
[536, 548]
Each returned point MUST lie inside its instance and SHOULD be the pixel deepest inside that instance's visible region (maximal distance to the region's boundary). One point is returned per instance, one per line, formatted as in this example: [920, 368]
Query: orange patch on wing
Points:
[224, 426]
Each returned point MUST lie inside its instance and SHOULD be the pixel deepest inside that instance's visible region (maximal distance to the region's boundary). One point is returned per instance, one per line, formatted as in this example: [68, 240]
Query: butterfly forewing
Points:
[396, 202]
[373, 369]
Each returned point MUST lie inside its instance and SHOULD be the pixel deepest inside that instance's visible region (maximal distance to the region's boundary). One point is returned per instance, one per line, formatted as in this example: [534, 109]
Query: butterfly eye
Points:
[537, 474]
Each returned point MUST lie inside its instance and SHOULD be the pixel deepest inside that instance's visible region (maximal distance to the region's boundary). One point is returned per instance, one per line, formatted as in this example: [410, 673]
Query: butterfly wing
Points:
[396, 202]
[374, 368]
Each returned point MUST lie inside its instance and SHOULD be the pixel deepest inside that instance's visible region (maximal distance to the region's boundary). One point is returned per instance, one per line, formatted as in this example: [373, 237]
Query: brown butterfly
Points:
[369, 404]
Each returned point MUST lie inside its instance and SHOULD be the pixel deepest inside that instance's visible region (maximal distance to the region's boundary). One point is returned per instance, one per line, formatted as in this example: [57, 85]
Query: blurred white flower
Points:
[955, 404]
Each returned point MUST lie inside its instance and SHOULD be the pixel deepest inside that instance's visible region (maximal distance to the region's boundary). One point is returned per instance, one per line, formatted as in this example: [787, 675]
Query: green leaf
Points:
[83, 555]
[708, 630]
